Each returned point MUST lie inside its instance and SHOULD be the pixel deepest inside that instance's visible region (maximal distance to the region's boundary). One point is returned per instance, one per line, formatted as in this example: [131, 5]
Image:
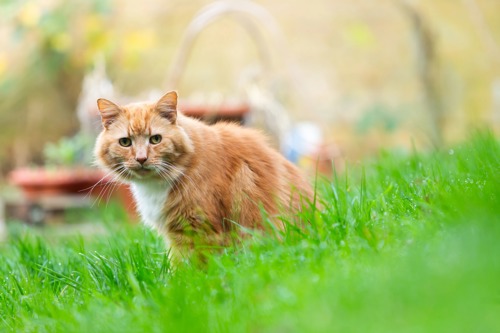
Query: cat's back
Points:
[243, 141]
[251, 150]
[278, 184]
[237, 160]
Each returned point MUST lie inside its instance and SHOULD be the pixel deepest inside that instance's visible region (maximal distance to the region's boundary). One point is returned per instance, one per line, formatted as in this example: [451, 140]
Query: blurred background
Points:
[370, 74]
[350, 76]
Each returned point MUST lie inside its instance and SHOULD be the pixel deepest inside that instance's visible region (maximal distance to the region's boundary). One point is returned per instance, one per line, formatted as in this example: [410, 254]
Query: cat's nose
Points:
[141, 159]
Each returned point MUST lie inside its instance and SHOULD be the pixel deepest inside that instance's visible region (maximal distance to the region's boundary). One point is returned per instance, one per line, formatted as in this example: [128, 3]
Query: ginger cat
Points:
[195, 183]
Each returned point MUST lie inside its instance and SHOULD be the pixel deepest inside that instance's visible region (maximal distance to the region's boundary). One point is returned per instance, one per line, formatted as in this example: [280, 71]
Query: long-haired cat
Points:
[196, 184]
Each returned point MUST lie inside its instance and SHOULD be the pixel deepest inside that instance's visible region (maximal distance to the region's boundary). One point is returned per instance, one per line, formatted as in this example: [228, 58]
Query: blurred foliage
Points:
[379, 117]
[69, 151]
[53, 43]
[349, 59]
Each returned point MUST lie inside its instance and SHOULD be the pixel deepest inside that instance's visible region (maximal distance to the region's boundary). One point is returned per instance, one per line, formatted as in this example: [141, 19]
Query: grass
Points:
[405, 244]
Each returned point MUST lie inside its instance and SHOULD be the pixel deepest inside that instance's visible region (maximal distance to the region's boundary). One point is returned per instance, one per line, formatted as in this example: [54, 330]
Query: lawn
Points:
[406, 243]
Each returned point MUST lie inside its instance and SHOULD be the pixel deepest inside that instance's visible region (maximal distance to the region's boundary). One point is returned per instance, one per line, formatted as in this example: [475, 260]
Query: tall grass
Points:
[403, 244]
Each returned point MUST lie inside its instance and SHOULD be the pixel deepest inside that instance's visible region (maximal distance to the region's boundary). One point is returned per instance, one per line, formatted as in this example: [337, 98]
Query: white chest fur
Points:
[150, 198]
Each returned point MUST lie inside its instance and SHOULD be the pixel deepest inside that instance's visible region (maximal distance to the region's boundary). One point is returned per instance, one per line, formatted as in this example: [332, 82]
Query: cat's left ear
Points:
[167, 106]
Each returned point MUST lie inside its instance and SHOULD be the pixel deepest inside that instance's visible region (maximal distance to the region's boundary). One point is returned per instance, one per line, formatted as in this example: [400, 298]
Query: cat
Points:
[196, 184]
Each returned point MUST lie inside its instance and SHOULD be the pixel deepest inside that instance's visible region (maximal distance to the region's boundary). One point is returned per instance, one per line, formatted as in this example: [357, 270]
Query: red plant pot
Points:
[36, 182]
[235, 112]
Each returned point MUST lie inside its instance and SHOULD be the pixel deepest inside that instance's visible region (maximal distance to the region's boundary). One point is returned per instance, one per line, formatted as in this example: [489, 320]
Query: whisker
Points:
[180, 179]
[118, 171]
[90, 189]
[167, 177]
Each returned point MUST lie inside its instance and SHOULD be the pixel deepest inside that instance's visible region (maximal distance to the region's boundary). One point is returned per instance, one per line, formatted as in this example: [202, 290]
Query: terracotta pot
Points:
[212, 114]
[36, 182]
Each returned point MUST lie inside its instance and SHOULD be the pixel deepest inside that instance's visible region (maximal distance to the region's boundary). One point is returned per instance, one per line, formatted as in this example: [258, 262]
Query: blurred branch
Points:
[427, 66]
[482, 28]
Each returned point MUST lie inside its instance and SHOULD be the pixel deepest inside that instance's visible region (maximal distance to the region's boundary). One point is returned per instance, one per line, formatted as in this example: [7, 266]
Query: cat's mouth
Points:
[142, 172]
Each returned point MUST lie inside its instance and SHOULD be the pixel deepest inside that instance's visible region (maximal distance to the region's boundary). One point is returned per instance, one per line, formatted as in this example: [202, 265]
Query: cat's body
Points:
[196, 184]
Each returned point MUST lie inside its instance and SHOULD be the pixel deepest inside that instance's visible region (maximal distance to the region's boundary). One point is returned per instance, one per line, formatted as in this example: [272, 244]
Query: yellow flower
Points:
[135, 44]
[93, 22]
[3, 63]
[61, 42]
[140, 40]
[360, 35]
[29, 15]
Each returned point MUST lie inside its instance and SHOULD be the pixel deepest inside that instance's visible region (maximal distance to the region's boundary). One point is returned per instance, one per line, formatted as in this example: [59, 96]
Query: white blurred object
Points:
[306, 146]
[266, 112]
[303, 142]
[96, 84]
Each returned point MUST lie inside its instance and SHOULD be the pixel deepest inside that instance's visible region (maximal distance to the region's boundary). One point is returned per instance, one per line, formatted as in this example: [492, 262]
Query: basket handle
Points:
[244, 11]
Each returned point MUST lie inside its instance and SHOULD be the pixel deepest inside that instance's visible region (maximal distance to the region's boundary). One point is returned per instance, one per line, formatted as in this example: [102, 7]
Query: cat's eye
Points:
[155, 139]
[125, 142]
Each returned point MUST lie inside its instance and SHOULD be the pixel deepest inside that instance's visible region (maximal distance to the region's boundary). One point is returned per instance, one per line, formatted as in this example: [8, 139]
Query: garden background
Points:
[372, 74]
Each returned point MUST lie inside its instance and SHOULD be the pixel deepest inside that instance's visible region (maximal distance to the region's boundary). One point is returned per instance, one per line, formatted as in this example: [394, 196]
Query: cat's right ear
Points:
[108, 110]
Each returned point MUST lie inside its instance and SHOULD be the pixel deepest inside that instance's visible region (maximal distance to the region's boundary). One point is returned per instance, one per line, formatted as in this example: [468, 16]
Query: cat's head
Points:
[143, 141]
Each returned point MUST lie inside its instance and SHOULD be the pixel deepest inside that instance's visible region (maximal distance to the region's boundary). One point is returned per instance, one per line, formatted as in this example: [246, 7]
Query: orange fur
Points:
[211, 178]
